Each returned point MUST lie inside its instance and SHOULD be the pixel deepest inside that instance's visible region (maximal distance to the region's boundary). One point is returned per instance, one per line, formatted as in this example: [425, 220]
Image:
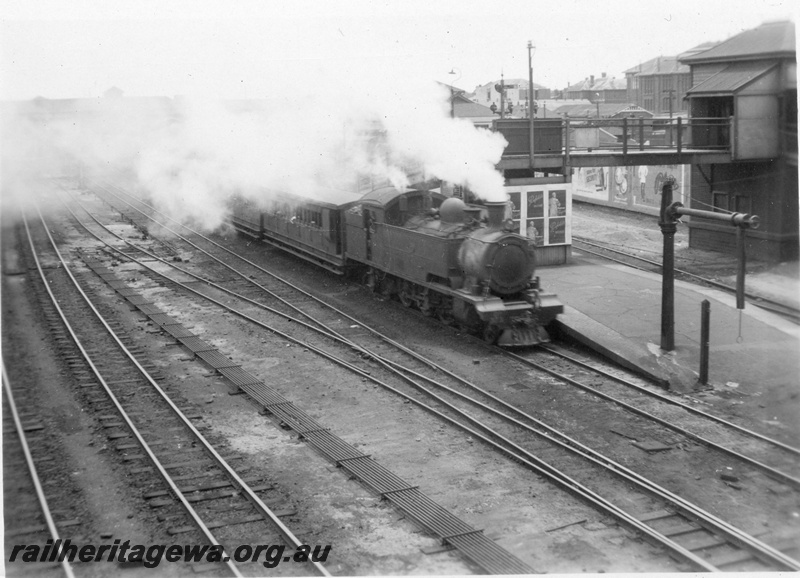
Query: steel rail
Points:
[87, 358]
[782, 476]
[339, 361]
[46, 511]
[255, 500]
[243, 486]
[762, 550]
[742, 538]
[755, 463]
[217, 260]
[667, 399]
[705, 519]
[756, 300]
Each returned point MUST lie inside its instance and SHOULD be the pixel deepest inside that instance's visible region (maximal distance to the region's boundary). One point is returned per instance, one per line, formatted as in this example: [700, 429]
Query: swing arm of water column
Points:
[670, 213]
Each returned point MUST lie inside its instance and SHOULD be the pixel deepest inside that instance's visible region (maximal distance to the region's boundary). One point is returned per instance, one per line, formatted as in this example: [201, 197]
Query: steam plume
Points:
[193, 154]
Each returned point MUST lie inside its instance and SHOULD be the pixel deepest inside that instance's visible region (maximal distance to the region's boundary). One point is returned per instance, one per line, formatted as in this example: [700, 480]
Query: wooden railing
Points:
[624, 135]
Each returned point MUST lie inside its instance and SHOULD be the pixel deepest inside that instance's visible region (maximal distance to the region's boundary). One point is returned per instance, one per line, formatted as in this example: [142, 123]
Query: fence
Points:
[626, 134]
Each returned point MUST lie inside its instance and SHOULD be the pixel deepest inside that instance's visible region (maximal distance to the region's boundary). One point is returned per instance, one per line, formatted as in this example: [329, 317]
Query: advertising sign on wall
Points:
[542, 212]
[635, 187]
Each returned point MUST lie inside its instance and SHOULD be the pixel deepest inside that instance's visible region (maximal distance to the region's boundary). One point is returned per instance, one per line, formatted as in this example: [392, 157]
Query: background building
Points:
[748, 83]
[659, 85]
[516, 94]
[602, 89]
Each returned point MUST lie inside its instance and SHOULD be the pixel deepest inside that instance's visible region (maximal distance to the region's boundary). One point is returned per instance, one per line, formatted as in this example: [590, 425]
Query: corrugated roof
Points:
[519, 82]
[732, 78]
[607, 109]
[602, 83]
[659, 65]
[696, 50]
[771, 38]
[471, 109]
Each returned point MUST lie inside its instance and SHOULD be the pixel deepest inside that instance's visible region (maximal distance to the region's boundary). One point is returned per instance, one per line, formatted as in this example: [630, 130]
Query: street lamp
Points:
[452, 96]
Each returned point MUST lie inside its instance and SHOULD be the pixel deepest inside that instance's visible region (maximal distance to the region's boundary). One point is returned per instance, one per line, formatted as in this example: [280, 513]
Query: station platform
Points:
[616, 311]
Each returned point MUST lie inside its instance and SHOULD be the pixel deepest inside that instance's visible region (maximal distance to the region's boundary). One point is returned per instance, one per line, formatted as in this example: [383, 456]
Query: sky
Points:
[320, 77]
[249, 48]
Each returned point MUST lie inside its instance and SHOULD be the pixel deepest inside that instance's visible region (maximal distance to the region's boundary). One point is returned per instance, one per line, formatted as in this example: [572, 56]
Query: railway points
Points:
[666, 520]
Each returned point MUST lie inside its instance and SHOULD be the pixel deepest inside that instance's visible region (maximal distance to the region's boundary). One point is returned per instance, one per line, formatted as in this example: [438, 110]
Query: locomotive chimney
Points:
[497, 213]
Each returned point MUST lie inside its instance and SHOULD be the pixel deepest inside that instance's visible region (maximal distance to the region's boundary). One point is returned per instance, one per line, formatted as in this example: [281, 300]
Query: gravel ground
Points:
[548, 529]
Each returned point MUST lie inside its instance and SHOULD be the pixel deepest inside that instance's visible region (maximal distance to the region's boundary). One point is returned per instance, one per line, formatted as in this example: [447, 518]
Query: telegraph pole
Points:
[502, 96]
[531, 100]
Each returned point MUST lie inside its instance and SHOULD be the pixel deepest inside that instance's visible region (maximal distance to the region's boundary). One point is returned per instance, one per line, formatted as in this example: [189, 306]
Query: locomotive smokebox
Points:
[502, 260]
[497, 213]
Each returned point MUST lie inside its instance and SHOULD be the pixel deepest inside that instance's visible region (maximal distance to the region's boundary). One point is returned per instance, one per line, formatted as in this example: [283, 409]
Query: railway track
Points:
[778, 459]
[629, 259]
[27, 512]
[683, 519]
[152, 434]
[481, 550]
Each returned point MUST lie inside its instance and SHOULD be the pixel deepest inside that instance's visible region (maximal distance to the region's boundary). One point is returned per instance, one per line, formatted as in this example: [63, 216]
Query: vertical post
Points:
[680, 144]
[625, 136]
[668, 132]
[641, 134]
[705, 331]
[502, 97]
[565, 124]
[668, 228]
[531, 100]
[740, 266]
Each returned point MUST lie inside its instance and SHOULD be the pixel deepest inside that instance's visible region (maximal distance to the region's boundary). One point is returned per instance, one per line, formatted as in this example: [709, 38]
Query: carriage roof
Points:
[320, 196]
[385, 196]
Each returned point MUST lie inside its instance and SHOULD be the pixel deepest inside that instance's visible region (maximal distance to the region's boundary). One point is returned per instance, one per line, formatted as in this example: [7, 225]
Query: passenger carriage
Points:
[311, 228]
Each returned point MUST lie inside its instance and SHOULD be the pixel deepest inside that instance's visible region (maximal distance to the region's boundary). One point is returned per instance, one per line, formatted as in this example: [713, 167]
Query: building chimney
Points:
[591, 80]
[604, 75]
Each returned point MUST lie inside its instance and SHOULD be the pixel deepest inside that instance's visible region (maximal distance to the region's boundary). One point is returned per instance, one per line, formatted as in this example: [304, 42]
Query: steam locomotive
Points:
[451, 260]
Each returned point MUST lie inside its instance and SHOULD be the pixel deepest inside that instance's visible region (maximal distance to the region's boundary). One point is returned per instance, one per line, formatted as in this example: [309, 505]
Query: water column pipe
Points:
[742, 222]
[670, 213]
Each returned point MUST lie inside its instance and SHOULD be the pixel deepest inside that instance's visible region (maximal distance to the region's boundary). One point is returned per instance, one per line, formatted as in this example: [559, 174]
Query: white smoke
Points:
[193, 161]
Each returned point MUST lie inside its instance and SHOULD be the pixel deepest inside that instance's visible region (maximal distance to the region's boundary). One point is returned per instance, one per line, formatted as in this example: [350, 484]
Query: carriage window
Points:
[307, 217]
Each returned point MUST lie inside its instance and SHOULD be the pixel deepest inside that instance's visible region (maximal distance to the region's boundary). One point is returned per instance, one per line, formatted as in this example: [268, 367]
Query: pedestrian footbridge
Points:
[559, 144]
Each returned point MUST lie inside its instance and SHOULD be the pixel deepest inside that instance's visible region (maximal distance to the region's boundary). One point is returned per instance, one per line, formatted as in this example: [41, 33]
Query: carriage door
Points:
[368, 230]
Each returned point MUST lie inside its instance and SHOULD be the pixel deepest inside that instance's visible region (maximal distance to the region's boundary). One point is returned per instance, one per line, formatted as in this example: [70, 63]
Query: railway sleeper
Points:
[205, 487]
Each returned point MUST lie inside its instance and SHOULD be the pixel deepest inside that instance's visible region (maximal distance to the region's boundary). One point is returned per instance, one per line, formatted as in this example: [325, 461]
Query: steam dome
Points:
[452, 210]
